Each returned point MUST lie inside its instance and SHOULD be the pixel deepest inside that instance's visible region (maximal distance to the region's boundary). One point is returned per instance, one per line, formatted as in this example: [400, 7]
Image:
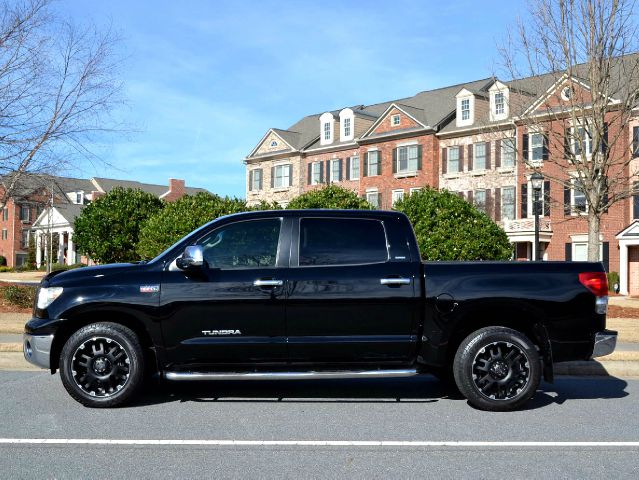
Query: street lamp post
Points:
[537, 182]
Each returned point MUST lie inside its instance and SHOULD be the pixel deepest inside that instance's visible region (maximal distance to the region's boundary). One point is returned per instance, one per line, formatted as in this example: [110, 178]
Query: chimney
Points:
[96, 194]
[176, 190]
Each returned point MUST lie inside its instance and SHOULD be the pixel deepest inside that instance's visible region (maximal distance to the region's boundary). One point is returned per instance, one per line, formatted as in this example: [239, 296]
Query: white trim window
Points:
[530, 200]
[316, 173]
[79, 198]
[347, 127]
[581, 139]
[415, 190]
[578, 200]
[580, 250]
[479, 199]
[327, 131]
[282, 176]
[24, 241]
[453, 160]
[373, 163]
[536, 147]
[397, 196]
[508, 152]
[5, 234]
[354, 168]
[335, 171]
[479, 158]
[25, 213]
[508, 203]
[500, 103]
[465, 109]
[396, 120]
[256, 179]
[372, 197]
[407, 159]
[273, 143]
[327, 123]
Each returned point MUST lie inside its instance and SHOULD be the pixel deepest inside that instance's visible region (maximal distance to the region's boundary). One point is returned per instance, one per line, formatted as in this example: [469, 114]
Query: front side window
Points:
[250, 244]
[480, 200]
[508, 150]
[336, 173]
[341, 241]
[25, 239]
[499, 103]
[581, 141]
[579, 203]
[373, 199]
[536, 147]
[256, 179]
[407, 159]
[25, 213]
[453, 159]
[508, 203]
[395, 120]
[282, 176]
[635, 141]
[479, 162]
[347, 127]
[354, 168]
[5, 214]
[397, 196]
[327, 131]
[4, 234]
[316, 173]
[465, 109]
[373, 163]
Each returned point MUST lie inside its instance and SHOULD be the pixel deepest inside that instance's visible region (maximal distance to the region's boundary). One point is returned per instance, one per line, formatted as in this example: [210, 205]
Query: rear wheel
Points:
[497, 368]
[102, 365]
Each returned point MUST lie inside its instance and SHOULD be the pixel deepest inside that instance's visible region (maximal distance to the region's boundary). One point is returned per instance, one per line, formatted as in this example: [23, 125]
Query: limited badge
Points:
[149, 288]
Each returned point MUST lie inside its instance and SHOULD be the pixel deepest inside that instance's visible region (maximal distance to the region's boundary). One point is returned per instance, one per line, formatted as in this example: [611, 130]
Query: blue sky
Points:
[204, 80]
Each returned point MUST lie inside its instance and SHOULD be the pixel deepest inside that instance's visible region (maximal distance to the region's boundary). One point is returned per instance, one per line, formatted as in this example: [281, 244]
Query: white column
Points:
[61, 247]
[70, 249]
[38, 250]
[623, 268]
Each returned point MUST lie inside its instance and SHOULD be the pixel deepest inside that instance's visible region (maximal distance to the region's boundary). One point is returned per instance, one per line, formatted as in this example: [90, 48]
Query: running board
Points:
[188, 376]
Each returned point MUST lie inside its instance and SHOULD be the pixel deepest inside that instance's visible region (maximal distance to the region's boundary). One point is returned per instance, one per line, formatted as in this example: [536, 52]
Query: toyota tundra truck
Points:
[316, 294]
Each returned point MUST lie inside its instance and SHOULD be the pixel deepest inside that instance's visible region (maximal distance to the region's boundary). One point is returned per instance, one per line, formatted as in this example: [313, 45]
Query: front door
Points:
[347, 301]
[231, 311]
[633, 270]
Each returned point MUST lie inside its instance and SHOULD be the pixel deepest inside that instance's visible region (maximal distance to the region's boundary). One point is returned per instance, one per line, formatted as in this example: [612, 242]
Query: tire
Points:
[102, 365]
[497, 369]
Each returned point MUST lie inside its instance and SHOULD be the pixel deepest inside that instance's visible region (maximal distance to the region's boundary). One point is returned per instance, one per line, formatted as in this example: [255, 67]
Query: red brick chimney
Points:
[96, 194]
[176, 190]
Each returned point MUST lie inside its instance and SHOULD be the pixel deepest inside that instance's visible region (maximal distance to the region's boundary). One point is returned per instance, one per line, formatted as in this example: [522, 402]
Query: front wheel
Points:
[102, 365]
[497, 369]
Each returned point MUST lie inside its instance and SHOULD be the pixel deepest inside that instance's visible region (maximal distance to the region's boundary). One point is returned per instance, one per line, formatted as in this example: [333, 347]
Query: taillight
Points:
[596, 282]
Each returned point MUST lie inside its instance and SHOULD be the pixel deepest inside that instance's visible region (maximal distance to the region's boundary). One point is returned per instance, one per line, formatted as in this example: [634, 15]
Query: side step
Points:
[189, 376]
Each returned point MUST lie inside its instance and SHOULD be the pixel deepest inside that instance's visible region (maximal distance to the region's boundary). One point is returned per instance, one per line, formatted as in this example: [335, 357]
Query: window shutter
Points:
[487, 147]
[290, 175]
[340, 169]
[379, 201]
[419, 157]
[395, 160]
[605, 256]
[524, 147]
[497, 204]
[635, 142]
[568, 252]
[567, 146]
[272, 177]
[348, 168]
[461, 158]
[309, 175]
[605, 194]
[604, 140]
[489, 204]
[567, 207]
[524, 200]
[544, 154]
[635, 202]
[497, 153]
[328, 172]
[365, 172]
[469, 197]
[470, 158]
[444, 160]
[546, 199]
[250, 180]
[321, 165]
[379, 163]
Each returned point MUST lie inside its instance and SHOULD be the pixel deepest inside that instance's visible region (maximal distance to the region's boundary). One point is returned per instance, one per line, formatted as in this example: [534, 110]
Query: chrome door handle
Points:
[268, 283]
[395, 281]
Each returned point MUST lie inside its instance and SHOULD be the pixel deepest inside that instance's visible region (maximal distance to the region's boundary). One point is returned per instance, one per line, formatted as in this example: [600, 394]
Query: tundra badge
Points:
[221, 332]
[149, 288]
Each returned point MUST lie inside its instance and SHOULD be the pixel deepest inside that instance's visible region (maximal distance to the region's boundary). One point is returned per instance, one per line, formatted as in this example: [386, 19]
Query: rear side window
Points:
[341, 241]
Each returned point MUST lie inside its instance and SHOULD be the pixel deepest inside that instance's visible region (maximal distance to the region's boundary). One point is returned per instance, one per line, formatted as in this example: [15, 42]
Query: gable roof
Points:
[107, 184]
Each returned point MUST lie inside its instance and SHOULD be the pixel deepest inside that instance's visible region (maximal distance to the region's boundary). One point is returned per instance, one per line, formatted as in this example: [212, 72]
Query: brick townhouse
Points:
[471, 139]
[27, 215]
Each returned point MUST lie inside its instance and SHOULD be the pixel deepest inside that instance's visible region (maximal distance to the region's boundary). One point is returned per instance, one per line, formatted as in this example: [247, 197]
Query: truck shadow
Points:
[423, 389]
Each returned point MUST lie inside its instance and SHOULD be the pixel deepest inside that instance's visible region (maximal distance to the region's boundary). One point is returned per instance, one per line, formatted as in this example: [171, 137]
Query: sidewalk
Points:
[22, 277]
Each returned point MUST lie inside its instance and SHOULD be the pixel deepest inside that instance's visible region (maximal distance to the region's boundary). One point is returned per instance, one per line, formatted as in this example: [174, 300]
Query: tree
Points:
[107, 230]
[330, 196]
[57, 87]
[182, 217]
[449, 228]
[585, 50]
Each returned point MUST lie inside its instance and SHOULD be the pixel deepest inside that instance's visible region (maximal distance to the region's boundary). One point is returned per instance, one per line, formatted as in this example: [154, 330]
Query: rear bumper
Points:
[37, 349]
[605, 343]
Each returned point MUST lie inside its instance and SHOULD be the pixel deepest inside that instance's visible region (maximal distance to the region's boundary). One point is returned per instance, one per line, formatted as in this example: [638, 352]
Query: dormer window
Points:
[346, 121]
[499, 103]
[79, 198]
[347, 127]
[499, 95]
[465, 109]
[327, 131]
[395, 120]
[326, 128]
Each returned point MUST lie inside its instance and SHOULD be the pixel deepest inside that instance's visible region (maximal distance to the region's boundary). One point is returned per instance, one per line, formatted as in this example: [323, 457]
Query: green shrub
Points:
[4, 268]
[20, 295]
[330, 196]
[613, 277]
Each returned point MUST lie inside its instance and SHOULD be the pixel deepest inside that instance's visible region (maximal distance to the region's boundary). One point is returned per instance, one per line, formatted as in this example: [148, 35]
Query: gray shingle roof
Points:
[108, 184]
[69, 210]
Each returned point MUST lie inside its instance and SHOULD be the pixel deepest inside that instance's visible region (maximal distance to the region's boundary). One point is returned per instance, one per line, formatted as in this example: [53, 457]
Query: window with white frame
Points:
[274, 143]
[415, 190]
[453, 160]
[4, 234]
[499, 103]
[407, 159]
[530, 199]
[5, 214]
[578, 201]
[327, 130]
[508, 203]
[396, 119]
[256, 179]
[580, 251]
[465, 109]
[373, 163]
[536, 147]
[25, 239]
[79, 198]
[354, 170]
[336, 173]
[508, 152]
[347, 127]
[397, 196]
[282, 176]
[581, 142]
[316, 173]
[372, 197]
[479, 160]
[479, 199]
[25, 213]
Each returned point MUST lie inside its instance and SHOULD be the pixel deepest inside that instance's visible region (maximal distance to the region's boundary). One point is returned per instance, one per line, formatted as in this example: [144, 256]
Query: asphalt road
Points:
[34, 405]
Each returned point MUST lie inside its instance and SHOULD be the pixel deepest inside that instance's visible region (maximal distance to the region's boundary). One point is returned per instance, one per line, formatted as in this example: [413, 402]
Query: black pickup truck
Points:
[316, 294]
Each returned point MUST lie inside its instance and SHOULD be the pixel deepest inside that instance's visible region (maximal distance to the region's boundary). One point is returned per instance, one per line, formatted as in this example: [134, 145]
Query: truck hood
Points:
[84, 274]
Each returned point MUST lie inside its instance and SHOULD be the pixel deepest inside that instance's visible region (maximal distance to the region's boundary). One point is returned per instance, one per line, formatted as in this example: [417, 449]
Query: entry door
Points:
[633, 270]
[231, 310]
[347, 302]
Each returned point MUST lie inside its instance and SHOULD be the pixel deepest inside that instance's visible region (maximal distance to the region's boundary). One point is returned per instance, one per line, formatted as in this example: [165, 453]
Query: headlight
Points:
[47, 295]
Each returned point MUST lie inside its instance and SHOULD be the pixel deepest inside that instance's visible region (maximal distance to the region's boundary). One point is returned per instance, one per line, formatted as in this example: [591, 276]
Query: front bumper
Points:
[37, 349]
[605, 343]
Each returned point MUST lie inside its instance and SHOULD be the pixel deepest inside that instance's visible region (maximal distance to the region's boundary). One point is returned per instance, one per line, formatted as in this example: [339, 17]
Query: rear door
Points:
[352, 295]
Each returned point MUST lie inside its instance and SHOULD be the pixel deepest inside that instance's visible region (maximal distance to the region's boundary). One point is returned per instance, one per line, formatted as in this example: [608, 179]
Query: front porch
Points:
[521, 234]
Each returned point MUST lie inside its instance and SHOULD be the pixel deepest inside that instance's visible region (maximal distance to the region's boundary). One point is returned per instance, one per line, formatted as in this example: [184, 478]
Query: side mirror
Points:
[192, 257]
